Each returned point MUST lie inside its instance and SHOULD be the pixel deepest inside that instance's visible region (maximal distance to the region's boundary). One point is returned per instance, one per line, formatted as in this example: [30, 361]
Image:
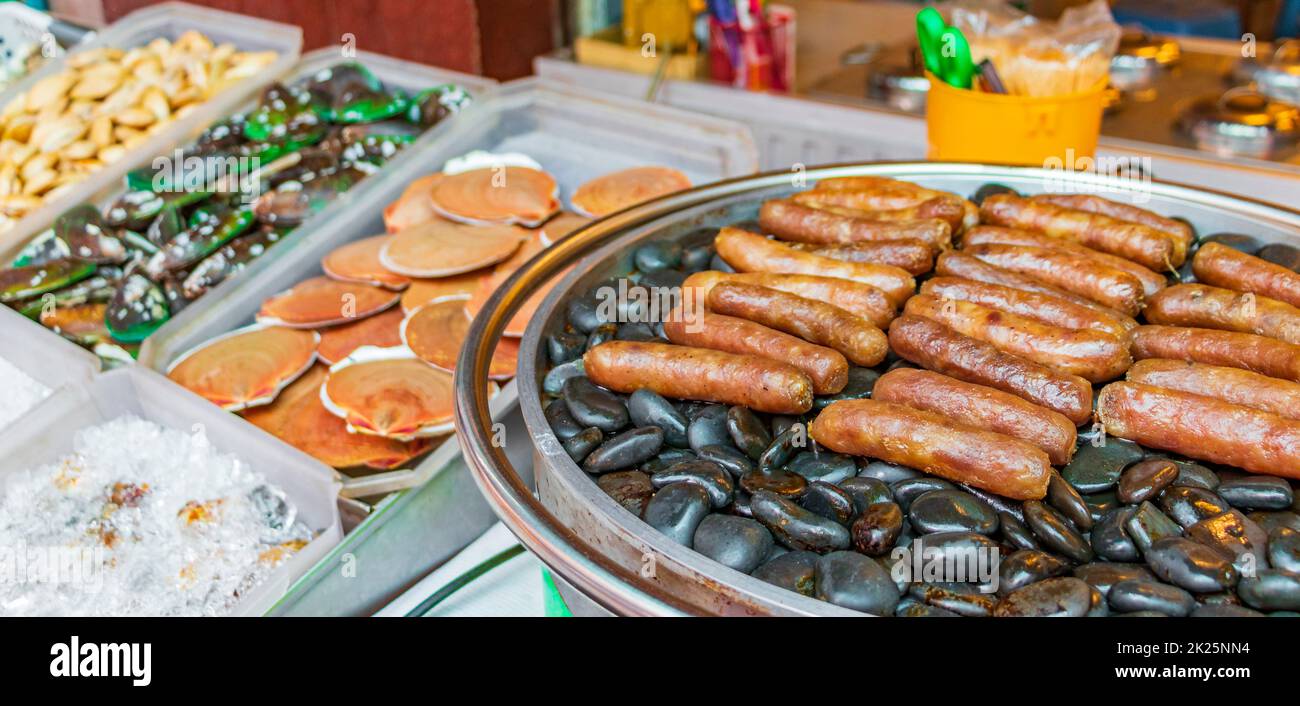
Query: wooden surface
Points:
[496, 38]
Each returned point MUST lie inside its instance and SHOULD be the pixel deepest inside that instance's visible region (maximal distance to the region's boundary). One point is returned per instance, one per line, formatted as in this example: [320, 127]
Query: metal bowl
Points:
[606, 559]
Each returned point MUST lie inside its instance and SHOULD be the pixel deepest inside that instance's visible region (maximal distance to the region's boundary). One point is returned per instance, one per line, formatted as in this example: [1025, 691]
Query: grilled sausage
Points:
[1040, 307]
[918, 439]
[1281, 397]
[699, 374]
[910, 254]
[814, 321]
[827, 369]
[945, 207]
[1223, 266]
[1144, 245]
[1152, 282]
[936, 347]
[1266, 356]
[854, 297]
[1092, 355]
[1107, 286]
[1202, 306]
[1124, 212]
[829, 225]
[981, 407]
[959, 264]
[888, 193]
[1201, 427]
[748, 252]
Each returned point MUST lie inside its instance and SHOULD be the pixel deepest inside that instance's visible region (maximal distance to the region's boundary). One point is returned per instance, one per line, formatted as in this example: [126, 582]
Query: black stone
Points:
[1189, 565]
[784, 484]
[1254, 492]
[705, 474]
[1102, 575]
[905, 491]
[1284, 550]
[865, 492]
[1281, 254]
[1137, 595]
[1096, 469]
[677, 510]
[580, 445]
[877, 528]
[1055, 533]
[647, 408]
[1145, 479]
[1015, 532]
[736, 542]
[822, 465]
[747, 431]
[1270, 589]
[1066, 500]
[1027, 566]
[851, 580]
[625, 450]
[796, 527]
[735, 462]
[553, 383]
[709, 428]
[952, 511]
[653, 257]
[793, 571]
[594, 406]
[563, 347]
[1063, 596]
[887, 472]
[861, 382]
[828, 501]
[1110, 539]
[1187, 506]
[1147, 525]
[562, 423]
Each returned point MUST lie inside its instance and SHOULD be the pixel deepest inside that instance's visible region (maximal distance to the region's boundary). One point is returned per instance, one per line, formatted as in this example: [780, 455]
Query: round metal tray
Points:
[612, 561]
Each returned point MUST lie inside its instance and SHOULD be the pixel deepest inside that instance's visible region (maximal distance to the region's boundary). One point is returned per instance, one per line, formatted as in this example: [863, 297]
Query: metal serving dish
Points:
[610, 561]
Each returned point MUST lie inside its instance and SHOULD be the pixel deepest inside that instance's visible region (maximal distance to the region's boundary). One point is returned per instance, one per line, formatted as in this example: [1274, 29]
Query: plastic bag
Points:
[1040, 58]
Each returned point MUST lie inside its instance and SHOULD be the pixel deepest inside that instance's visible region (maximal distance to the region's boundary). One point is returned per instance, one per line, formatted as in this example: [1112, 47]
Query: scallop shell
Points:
[502, 194]
[441, 248]
[358, 261]
[415, 205]
[515, 327]
[321, 301]
[428, 291]
[247, 367]
[389, 392]
[618, 190]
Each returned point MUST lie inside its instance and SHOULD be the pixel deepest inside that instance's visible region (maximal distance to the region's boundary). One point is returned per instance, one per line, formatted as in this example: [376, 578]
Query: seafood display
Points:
[355, 366]
[21, 393]
[1089, 395]
[163, 524]
[108, 279]
[106, 101]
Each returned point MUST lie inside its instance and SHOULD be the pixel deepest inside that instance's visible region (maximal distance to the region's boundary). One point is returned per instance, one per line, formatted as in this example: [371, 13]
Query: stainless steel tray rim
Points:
[525, 514]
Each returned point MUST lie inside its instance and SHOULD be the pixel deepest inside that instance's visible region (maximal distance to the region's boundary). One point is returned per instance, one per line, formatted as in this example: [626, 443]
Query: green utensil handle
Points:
[959, 68]
[929, 25]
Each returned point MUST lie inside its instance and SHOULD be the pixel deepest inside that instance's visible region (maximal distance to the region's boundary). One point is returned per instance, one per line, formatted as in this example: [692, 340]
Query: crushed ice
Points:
[140, 520]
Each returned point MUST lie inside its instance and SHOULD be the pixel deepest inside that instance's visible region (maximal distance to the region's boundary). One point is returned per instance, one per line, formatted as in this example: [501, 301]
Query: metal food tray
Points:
[48, 432]
[598, 549]
[168, 20]
[343, 212]
[575, 136]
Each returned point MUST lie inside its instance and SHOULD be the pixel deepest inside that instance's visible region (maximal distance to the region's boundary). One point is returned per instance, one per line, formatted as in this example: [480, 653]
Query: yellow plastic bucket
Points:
[974, 126]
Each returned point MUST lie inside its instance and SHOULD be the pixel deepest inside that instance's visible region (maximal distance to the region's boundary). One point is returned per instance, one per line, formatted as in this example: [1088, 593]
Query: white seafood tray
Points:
[49, 431]
[50, 360]
[394, 73]
[574, 135]
[168, 20]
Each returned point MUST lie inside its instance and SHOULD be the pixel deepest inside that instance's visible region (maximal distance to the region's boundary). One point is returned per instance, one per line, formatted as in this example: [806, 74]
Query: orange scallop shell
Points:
[321, 301]
[441, 248]
[437, 332]
[396, 398]
[246, 368]
[415, 205]
[299, 419]
[497, 195]
[358, 261]
[382, 330]
[618, 190]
